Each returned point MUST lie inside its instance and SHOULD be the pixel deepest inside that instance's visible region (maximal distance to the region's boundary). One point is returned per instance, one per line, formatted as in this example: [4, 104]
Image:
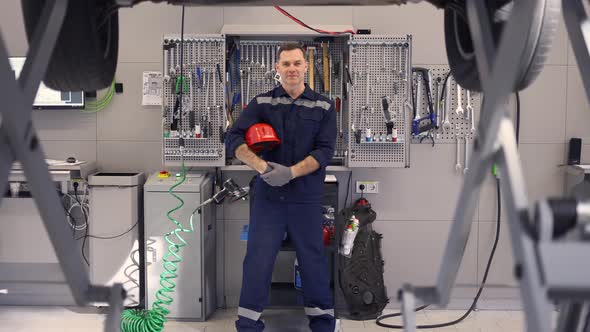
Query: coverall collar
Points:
[307, 93]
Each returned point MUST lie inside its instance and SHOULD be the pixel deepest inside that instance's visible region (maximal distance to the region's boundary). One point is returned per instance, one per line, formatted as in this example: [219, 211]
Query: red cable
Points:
[296, 20]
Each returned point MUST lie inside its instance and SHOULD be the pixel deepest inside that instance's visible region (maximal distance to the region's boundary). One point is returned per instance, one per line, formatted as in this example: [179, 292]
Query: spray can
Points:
[352, 228]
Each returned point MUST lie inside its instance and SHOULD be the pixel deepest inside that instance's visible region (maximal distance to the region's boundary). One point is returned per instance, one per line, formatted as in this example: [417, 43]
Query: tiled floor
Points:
[54, 319]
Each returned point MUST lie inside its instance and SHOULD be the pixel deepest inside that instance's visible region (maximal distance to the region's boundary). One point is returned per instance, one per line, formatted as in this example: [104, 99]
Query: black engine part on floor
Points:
[361, 275]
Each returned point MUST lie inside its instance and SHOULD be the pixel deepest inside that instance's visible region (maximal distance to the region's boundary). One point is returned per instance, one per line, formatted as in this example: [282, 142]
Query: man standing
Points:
[288, 191]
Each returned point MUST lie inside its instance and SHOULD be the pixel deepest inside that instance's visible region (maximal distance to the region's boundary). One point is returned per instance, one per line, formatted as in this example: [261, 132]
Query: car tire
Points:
[460, 53]
[85, 54]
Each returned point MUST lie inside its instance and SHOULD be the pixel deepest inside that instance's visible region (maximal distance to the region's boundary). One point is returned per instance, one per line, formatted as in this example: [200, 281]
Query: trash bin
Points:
[115, 233]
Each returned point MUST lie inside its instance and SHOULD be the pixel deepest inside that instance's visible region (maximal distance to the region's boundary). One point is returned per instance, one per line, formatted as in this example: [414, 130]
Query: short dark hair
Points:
[289, 47]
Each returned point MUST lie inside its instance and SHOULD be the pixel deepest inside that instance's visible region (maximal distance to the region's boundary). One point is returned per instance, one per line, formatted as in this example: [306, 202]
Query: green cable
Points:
[101, 104]
[93, 107]
[105, 98]
[134, 320]
[99, 107]
[495, 170]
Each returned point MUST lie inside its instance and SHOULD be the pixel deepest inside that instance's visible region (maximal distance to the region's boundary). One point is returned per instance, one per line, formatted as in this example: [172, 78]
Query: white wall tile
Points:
[128, 156]
[125, 118]
[64, 125]
[423, 21]
[148, 22]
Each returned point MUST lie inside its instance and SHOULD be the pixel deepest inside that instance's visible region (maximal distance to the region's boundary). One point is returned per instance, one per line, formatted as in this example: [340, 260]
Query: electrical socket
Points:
[81, 186]
[371, 187]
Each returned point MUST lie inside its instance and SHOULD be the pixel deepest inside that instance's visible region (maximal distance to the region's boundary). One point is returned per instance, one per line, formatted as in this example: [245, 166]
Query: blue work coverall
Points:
[306, 126]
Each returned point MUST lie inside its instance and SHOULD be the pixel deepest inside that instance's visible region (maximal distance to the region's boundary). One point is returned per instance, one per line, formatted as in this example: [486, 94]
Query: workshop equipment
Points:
[115, 201]
[195, 282]
[361, 273]
[30, 273]
[370, 145]
[204, 69]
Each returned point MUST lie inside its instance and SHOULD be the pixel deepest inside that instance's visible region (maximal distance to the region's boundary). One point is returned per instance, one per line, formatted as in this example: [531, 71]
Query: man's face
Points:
[292, 67]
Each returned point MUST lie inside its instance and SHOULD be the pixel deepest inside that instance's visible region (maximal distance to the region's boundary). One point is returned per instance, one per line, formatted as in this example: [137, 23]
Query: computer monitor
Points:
[47, 98]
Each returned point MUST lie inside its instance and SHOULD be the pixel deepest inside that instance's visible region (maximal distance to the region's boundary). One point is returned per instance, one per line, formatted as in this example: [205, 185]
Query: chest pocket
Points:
[308, 121]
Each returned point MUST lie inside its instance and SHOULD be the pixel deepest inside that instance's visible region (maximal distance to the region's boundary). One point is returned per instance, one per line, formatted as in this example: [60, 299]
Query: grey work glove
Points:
[279, 176]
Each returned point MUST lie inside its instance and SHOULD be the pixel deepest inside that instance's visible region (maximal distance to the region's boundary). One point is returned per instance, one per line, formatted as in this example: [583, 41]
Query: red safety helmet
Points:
[261, 137]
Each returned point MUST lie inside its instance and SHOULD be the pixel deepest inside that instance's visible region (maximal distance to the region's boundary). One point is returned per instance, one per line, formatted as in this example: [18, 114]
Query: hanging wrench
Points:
[268, 75]
[458, 164]
[214, 106]
[269, 59]
[246, 52]
[469, 109]
[189, 48]
[207, 116]
[466, 153]
[418, 97]
[447, 123]
[242, 88]
[198, 51]
[459, 110]
[241, 49]
[472, 121]
[166, 76]
[274, 61]
[262, 62]
[248, 85]
[172, 56]
[436, 97]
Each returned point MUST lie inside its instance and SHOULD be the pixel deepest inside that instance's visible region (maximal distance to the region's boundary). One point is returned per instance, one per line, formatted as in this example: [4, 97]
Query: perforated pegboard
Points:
[459, 124]
[203, 115]
[380, 67]
[256, 65]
